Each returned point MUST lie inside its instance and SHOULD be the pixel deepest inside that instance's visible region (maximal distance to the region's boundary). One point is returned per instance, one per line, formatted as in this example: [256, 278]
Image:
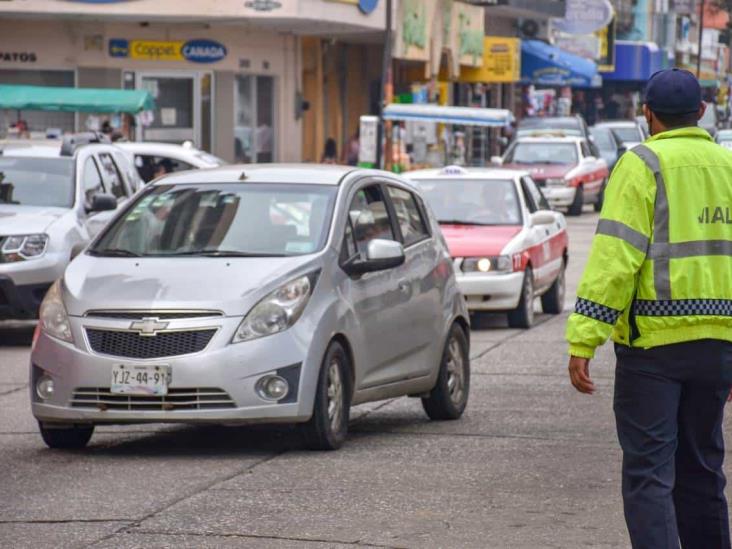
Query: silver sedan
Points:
[254, 294]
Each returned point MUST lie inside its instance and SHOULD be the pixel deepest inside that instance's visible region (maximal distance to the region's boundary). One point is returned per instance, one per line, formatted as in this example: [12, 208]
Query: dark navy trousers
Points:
[669, 404]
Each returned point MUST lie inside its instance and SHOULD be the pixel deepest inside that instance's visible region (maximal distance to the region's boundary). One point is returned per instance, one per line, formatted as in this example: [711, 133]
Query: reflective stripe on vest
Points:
[622, 231]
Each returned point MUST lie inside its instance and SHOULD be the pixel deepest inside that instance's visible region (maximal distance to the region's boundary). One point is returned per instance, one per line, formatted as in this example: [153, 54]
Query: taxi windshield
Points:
[222, 220]
[473, 201]
[542, 153]
[29, 181]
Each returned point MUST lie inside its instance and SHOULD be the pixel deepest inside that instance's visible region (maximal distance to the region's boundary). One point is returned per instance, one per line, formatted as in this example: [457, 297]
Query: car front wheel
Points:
[328, 427]
[66, 438]
[523, 315]
[449, 397]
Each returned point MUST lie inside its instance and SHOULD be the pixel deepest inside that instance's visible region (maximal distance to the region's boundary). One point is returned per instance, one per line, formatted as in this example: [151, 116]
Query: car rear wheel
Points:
[552, 302]
[600, 198]
[579, 200]
[328, 427]
[449, 397]
[523, 315]
[66, 438]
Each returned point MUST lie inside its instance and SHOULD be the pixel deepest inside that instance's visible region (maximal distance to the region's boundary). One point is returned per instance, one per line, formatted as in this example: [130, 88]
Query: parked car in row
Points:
[628, 132]
[610, 147]
[509, 247]
[254, 294]
[564, 167]
[155, 159]
[53, 196]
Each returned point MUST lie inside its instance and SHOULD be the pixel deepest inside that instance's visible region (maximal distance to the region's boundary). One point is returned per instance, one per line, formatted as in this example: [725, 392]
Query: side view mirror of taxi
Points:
[542, 217]
[77, 249]
[103, 202]
[496, 160]
[380, 255]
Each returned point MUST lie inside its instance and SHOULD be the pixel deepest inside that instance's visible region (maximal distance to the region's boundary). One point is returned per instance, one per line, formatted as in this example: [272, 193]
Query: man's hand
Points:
[579, 373]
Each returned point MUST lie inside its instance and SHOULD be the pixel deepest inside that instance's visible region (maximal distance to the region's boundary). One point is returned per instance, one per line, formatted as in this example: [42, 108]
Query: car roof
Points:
[459, 172]
[548, 138]
[312, 174]
[618, 124]
[135, 146]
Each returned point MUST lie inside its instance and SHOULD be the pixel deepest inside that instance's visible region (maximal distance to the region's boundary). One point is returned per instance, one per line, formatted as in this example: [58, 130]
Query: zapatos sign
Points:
[195, 51]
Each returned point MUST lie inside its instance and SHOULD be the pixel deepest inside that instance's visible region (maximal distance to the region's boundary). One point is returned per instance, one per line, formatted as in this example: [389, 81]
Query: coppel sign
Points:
[196, 51]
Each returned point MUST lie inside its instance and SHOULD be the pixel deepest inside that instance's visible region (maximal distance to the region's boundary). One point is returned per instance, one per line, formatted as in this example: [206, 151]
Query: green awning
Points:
[51, 98]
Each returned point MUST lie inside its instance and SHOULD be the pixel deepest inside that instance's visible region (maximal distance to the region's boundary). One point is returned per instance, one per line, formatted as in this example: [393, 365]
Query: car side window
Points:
[370, 218]
[408, 215]
[112, 175]
[91, 179]
[585, 149]
[149, 166]
[536, 194]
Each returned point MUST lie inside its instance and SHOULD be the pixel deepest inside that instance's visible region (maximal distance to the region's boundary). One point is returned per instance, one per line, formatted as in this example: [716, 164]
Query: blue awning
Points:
[635, 61]
[548, 65]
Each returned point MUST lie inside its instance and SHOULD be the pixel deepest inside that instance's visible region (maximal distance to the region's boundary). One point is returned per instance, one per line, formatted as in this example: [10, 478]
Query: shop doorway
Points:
[177, 114]
[254, 135]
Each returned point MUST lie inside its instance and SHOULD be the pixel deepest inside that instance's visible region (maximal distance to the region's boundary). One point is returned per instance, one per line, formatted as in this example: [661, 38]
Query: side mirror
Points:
[496, 160]
[103, 202]
[542, 217]
[380, 255]
[77, 249]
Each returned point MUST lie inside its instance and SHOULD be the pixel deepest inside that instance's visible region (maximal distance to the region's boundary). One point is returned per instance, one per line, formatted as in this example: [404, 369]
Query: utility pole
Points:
[701, 35]
[387, 94]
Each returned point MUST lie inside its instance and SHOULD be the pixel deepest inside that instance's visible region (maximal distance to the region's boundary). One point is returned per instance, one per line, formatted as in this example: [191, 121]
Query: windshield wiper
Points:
[223, 253]
[114, 252]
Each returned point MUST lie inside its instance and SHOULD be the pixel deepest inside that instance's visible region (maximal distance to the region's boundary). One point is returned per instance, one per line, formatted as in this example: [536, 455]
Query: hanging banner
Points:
[414, 29]
[501, 62]
[466, 33]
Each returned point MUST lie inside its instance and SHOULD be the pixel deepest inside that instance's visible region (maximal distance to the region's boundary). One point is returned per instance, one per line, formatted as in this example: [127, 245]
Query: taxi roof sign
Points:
[453, 170]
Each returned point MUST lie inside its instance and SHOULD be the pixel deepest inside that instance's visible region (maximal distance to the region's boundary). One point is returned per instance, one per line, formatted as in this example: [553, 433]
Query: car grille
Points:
[160, 315]
[197, 398]
[133, 345]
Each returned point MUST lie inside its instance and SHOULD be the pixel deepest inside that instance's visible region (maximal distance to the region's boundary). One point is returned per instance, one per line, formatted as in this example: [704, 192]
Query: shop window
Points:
[254, 138]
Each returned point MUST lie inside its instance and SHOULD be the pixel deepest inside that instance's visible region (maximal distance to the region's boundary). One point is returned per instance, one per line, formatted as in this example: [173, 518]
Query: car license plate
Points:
[140, 380]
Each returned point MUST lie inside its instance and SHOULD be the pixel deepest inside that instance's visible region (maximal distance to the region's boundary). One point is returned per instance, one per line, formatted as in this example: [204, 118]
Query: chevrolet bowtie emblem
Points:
[148, 326]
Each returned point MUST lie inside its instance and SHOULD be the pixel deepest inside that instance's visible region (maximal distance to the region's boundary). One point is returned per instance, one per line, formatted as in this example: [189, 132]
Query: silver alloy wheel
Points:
[529, 294]
[455, 371]
[335, 396]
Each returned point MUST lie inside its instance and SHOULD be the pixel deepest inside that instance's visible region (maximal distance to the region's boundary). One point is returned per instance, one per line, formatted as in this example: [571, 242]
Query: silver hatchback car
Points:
[254, 294]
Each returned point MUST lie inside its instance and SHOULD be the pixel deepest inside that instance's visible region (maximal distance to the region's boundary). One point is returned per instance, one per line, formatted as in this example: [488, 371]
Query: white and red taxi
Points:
[508, 246]
[564, 167]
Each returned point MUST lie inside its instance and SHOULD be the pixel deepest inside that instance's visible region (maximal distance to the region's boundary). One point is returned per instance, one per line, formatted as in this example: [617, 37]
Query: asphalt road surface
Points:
[531, 464]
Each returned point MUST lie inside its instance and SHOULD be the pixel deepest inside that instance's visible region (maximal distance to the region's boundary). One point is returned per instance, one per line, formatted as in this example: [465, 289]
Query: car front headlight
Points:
[556, 182]
[499, 264]
[22, 247]
[53, 317]
[277, 311]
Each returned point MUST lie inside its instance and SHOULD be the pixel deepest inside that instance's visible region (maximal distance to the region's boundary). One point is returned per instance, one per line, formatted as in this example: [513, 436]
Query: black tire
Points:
[579, 200]
[552, 302]
[523, 315]
[328, 427]
[449, 397]
[67, 438]
[600, 198]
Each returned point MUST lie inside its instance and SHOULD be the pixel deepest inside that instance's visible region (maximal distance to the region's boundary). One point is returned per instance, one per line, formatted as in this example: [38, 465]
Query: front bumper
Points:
[232, 370]
[491, 291]
[20, 302]
[559, 197]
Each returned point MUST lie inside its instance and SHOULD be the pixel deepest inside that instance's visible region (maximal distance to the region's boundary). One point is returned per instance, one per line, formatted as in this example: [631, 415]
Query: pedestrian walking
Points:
[659, 280]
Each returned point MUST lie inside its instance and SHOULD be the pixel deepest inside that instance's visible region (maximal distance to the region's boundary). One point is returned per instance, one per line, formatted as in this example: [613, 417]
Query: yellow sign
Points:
[156, 50]
[501, 62]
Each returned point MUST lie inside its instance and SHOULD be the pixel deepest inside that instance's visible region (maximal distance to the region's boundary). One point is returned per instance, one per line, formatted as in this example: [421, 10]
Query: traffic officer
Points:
[659, 279]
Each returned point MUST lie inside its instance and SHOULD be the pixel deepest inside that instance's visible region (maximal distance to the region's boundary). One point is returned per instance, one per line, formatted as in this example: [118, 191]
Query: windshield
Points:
[29, 181]
[473, 202]
[628, 135]
[542, 153]
[231, 220]
[603, 139]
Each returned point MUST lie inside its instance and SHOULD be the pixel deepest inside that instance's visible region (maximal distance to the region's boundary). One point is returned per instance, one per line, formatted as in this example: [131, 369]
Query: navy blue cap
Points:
[673, 91]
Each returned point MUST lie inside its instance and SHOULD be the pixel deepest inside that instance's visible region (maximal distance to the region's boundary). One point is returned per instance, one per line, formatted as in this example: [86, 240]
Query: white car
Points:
[54, 196]
[629, 132]
[155, 159]
[569, 174]
[507, 245]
